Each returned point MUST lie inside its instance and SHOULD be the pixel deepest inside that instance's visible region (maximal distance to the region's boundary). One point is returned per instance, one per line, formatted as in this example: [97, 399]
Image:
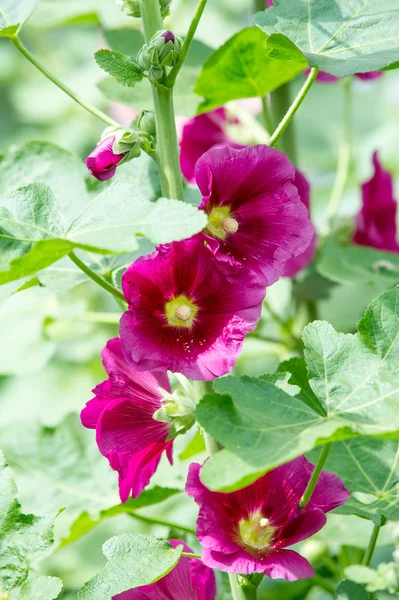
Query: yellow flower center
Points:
[256, 532]
[180, 312]
[221, 223]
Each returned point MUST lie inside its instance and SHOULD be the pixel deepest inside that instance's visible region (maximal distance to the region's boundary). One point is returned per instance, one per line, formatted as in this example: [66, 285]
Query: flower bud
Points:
[130, 7]
[146, 122]
[162, 51]
[116, 146]
[179, 411]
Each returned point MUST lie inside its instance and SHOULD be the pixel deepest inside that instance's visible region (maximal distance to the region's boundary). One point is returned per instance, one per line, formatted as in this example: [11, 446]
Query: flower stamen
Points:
[180, 312]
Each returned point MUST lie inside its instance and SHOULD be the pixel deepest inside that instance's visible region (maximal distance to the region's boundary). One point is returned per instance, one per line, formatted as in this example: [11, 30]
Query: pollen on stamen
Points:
[184, 313]
[264, 522]
[230, 225]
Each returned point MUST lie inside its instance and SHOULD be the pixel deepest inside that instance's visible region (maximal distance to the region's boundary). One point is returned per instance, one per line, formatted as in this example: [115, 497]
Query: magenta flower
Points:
[189, 580]
[256, 217]
[122, 415]
[327, 78]
[376, 221]
[200, 134]
[102, 162]
[187, 312]
[296, 264]
[246, 531]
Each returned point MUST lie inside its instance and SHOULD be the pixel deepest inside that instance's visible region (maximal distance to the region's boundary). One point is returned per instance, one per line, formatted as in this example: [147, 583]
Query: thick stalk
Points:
[293, 109]
[92, 109]
[167, 150]
[315, 476]
[170, 81]
[280, 101]
[236, 590]
[344, 159]
[96, 278]
[372, 544]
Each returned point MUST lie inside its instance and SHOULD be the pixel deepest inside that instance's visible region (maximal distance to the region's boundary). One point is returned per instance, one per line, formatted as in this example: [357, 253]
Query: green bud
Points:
[162, 51]
[165, 7]
[130, 7]
[146, 122]
[178, 410]
[127, 141]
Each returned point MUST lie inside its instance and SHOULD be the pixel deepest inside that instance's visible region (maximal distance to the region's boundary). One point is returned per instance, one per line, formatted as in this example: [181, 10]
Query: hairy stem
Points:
[267, 117]
[167, 150]
[372, 544]
[280, 101]
[294, 107]
[236, 590]
[155, 521]
[95, 277]
[91, 109]
[170, 81]
[344, 159]
[315, 476]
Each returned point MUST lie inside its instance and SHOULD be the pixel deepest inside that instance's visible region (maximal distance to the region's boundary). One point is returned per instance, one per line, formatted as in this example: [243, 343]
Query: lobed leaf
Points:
[45, 588]
[339, 37]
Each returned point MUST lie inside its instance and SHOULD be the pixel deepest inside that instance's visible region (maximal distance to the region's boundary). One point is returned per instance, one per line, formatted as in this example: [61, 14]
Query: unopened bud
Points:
[162, 51]
[146, 123]
[179, 411]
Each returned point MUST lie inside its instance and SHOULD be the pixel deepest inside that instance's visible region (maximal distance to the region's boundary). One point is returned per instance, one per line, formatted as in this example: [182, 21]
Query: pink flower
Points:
[102, 162]
[295, 265]
[189, 580]
[269, 3]
[246, 531]
[327, 78]
[122, 415]
[187, 312]
[256, 217]
[376, 221]
[371, 75]
[199, 135]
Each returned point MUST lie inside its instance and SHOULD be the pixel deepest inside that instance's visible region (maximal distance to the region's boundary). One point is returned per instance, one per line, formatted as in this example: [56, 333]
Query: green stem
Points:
[293, 108]
[154, 521]
[297, 342]
[191, 555]
[280, 101]
[315, 476]
[372, 544]
[95, 277]
[167, 149]
[236, 590]
[170, 80]
[344, 159]
[92, 109]
[267, 117]
[259, 5]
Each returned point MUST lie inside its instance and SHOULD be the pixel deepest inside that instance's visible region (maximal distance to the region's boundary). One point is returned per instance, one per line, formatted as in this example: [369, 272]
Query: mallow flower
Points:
[247, 531]
[200, 134]
[376, 221]
[122, 413]
[255, 215]
[102, 162]
[324, 77]
[188, 313]
[189, 580]
[296, 264]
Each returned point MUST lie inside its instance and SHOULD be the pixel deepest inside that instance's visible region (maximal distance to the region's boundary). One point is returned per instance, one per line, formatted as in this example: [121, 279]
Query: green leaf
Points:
[351, 265]
[47, 163]
[23, 538]
[348, 590]
[45, 588]
[185, 100]
[13, 14]
[85, 523]
[134, 560]
[126, 40]
[59, 466]
[354, 377]
[195, 446]
[339, 37]
[113, 219]
[123, 68]
[241, 68]
[370, 470]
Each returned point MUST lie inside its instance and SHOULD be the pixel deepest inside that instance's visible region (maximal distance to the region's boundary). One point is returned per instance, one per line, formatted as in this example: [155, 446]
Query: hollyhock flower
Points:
[247, 531]
[199, 135]
[295, 265]
[327, 78]
[122, 414]
[376, 221]
[256, 217]
[188, 313]
[102, 162]
[189, 580]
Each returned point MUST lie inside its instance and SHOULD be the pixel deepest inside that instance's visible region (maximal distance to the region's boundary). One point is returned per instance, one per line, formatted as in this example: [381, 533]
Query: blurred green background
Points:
[51, 338]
